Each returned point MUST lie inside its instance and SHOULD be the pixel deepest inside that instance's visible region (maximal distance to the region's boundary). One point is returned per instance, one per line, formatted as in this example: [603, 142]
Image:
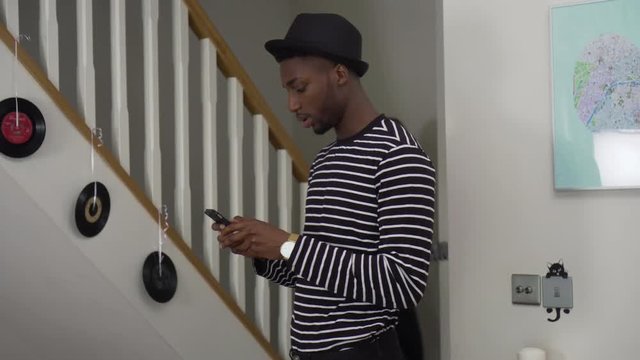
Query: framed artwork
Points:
[595, 59]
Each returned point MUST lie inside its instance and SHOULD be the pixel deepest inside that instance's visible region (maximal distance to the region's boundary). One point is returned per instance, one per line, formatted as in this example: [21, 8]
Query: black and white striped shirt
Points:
[365, 249]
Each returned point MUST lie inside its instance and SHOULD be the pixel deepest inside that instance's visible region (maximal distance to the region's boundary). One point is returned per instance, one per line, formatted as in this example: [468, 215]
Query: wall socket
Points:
[525, 289]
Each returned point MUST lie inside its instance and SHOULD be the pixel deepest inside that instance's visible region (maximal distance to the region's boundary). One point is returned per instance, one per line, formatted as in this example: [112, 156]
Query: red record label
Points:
[17, 133]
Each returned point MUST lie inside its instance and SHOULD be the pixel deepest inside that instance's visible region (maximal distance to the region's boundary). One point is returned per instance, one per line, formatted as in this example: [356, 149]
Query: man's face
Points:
[312, 92]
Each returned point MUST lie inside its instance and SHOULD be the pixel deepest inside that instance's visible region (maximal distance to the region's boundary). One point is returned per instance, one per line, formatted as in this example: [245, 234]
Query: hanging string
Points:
[96, 133]
[163, 227]
[13, 72]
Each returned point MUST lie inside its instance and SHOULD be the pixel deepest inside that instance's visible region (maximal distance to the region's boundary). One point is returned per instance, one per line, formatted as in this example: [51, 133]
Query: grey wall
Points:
[246, 26]
[503, 215]
[399, 44]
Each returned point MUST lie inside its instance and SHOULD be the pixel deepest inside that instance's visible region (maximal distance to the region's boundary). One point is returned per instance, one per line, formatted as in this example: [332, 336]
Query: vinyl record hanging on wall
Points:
[159, 277]
[21, 135]
[92, 209]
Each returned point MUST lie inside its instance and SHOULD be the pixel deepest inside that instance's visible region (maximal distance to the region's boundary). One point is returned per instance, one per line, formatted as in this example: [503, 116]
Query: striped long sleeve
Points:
[276, 271]
[365, 249]
[395, 274]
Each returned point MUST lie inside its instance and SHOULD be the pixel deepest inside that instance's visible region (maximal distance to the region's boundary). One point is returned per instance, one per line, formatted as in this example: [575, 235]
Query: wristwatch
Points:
[287, 247]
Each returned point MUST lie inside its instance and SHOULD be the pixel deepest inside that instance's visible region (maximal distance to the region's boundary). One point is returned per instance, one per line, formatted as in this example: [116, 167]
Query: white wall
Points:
[502, 213]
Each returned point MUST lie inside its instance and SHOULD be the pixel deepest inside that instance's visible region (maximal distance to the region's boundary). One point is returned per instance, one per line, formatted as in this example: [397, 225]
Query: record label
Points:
[23, 137]
[92, 212]
[17, 132]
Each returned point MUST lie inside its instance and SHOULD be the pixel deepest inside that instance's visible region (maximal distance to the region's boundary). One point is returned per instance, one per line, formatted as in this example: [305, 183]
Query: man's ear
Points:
[342, 74]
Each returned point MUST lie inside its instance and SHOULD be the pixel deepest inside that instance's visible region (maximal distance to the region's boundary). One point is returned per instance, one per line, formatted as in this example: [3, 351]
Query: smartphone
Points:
[217, 217]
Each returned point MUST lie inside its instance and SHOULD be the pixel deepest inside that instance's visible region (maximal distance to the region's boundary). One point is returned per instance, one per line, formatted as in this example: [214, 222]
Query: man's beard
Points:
[332, 117]
[320, 128]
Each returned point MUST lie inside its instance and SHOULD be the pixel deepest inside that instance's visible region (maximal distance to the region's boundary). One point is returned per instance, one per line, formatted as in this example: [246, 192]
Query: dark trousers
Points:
[385, 347]
[409, 334]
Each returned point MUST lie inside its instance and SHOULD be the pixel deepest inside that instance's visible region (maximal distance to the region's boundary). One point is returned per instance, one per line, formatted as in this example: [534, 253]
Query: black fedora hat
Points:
[326, 35]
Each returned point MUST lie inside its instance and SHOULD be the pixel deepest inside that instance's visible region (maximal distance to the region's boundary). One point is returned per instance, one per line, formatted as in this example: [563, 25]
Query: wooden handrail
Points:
[253, 99]
[80, 124]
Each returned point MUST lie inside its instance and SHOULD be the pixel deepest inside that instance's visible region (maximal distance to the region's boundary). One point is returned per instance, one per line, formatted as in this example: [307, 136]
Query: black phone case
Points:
[217, 217]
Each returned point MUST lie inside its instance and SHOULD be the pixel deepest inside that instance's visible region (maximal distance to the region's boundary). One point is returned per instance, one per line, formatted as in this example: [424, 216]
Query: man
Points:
[365, 249]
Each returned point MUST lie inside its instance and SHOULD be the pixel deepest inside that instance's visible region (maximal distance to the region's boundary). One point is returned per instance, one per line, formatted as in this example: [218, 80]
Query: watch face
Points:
[286, 249]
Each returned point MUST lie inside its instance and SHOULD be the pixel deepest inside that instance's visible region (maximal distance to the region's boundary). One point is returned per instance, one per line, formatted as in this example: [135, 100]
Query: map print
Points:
[595, 74]
[607, 84]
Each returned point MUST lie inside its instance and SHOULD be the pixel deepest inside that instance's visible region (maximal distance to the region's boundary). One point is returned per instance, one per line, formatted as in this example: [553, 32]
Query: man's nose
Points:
[294, 104]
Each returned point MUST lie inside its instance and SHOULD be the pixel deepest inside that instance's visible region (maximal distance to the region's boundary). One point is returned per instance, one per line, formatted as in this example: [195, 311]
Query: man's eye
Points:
[300, 90]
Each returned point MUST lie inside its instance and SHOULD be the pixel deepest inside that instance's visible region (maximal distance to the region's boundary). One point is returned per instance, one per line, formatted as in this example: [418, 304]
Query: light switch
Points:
[525, 289]
[557, 292]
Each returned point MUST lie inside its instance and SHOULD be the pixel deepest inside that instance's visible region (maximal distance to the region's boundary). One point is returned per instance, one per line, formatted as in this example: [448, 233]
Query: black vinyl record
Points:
[92, 212]
[24, 137]
[160, 285]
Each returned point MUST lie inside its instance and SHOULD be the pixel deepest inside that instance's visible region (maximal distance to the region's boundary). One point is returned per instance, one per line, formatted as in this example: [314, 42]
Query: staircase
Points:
[67, 296]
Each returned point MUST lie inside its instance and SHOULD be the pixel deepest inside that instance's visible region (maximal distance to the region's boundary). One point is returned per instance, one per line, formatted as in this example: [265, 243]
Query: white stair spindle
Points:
[10, 16]
[284, 212]
[152, 156]
[181, 121]
[86, 70]
[304, 186]
[236, 262]
[261, 173]
[120, 111]
[210, 157]
[49, 40]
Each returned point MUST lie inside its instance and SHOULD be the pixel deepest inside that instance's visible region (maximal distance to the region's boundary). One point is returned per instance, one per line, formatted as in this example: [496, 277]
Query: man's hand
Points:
[252, 238]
